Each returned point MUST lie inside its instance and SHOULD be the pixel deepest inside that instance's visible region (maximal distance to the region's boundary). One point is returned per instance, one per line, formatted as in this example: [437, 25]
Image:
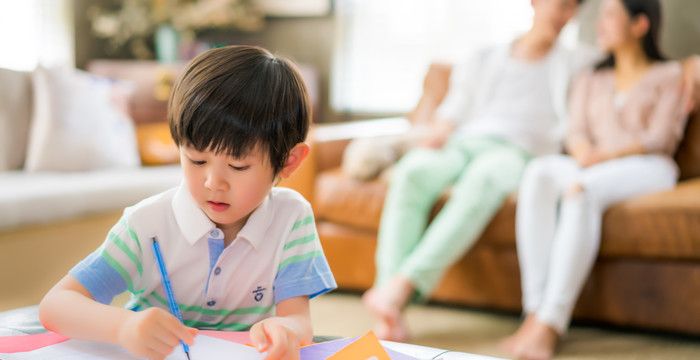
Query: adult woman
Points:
[627, 118]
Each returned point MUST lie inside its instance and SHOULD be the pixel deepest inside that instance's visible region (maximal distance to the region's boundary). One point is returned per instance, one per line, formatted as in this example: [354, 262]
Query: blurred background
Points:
[370, 56]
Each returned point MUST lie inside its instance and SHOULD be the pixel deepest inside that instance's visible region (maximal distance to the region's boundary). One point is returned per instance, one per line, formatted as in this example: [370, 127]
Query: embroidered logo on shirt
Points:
[258, 293]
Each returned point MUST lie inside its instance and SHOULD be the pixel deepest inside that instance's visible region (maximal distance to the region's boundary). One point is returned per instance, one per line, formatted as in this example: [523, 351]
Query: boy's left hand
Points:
[273, 337]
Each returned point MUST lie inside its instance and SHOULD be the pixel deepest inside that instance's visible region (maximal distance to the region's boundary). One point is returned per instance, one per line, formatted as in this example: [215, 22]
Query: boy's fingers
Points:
[160, 348]
[166, 336]
[153, 355]
[258, 337]
[193, 333]
[279, 343]
[181, 331]
[293, 345]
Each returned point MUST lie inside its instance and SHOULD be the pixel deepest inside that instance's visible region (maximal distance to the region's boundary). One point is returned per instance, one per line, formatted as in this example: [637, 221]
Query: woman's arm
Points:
[667, 119]
[691, 75]
[578, 143]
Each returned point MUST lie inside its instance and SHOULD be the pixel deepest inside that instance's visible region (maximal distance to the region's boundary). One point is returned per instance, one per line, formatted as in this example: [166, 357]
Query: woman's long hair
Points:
[650, 43]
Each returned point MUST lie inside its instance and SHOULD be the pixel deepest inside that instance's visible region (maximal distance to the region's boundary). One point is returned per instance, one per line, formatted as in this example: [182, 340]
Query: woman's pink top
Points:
[649, 113]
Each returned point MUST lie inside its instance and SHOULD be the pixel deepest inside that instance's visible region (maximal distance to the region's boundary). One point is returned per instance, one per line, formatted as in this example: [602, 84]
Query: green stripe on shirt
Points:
[118, 267]
[299, 241]
[213, 312]
[229, 326]
[125, 248]
[298, 258]
[305, 221]
[132, 234]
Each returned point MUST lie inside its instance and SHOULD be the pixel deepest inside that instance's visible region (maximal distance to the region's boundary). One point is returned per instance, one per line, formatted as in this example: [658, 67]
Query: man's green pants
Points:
[482, 172]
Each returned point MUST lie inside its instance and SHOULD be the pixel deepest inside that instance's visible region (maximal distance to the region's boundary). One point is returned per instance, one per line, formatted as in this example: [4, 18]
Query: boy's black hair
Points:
[236, 98]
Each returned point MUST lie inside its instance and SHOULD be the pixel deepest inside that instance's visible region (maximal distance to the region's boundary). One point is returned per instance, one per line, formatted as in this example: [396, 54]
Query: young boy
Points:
[240, 253]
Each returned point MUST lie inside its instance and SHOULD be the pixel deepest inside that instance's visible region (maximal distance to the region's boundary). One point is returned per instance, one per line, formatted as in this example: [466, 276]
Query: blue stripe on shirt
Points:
[99, 278]
[311, 277]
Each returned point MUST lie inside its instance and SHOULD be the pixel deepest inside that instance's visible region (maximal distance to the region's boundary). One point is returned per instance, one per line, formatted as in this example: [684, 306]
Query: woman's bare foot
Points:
[510, 343]
[534, 340]
[386, 305]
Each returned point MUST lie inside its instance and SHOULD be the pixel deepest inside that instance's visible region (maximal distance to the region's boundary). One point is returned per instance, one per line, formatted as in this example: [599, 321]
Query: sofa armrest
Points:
[329, 140]
[327, 143]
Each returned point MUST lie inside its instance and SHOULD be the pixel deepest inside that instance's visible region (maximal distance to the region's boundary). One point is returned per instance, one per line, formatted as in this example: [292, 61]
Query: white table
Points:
[425, 353]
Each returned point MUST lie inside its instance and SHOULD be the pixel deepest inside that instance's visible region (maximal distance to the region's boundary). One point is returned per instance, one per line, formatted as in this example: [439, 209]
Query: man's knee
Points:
[497, 177]
[413, 167]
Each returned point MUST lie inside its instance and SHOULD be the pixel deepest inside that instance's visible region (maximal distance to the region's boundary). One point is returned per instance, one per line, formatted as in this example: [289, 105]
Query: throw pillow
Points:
[15, 115]
[79, 123]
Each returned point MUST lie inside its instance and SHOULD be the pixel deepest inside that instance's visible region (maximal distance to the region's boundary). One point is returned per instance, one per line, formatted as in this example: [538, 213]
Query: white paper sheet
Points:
[204, 348]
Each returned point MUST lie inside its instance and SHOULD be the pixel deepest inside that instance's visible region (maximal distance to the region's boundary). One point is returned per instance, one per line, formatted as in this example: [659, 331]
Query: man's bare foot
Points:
[537, 341]
[386, 305]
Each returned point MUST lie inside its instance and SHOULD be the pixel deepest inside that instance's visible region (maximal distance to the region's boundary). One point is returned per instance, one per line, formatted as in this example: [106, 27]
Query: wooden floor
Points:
[479, 332]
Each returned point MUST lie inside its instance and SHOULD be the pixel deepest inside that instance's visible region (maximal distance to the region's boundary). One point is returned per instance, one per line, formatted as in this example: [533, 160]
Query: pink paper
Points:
[20, 343]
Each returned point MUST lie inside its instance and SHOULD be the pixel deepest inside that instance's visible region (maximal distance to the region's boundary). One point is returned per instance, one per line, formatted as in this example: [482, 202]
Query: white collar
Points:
[194, 223]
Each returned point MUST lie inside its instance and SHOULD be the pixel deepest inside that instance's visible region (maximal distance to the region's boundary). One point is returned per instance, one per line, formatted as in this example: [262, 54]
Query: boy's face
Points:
[225, 188]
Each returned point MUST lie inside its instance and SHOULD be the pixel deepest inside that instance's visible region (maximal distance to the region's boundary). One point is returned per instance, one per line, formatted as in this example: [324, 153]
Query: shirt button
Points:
[211, 303]
[217, 271]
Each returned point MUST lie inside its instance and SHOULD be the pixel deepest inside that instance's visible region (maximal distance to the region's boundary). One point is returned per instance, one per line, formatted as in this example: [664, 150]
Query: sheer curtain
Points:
[384, 47]
[34, 32]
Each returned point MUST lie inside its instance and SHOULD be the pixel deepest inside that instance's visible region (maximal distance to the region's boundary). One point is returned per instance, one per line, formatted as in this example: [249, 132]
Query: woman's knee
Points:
[575, 190]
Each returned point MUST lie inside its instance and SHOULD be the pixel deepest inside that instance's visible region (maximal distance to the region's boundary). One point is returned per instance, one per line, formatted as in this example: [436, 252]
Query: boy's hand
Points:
[153, 333]
[273, 336]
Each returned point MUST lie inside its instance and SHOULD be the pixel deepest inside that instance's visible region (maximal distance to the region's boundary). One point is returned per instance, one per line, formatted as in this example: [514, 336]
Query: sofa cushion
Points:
[15, 115]
[661, 225]
[343, 200]
[40, 197]
[79, 123]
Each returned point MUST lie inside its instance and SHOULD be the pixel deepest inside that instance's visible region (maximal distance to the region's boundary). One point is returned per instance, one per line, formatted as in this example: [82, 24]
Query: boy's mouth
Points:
[218, 206]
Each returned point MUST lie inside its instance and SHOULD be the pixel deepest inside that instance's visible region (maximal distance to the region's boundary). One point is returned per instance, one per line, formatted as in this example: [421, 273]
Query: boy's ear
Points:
[296, 156]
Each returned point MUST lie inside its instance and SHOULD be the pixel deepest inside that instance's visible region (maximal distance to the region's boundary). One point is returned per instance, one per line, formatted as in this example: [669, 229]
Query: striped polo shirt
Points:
[275, 256]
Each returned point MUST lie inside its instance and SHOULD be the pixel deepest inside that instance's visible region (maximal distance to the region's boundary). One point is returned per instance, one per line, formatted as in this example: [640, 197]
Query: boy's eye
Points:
[240, 168]
[198, 162]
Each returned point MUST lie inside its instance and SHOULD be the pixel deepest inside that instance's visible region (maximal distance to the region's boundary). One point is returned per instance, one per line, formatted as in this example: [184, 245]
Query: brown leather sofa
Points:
[647, 274]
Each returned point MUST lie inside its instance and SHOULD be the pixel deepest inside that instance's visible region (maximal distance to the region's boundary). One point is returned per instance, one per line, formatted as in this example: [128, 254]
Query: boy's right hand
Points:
[153, 333]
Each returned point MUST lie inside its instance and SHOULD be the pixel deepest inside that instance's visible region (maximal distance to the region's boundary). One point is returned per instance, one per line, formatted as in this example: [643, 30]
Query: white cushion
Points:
[76, 125]
[40, 197]
[15, 115]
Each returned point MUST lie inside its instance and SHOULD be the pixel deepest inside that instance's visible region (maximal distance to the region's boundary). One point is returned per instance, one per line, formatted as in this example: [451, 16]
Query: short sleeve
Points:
[668, 117]
[115, 267]
[459, 96]
[303, 269]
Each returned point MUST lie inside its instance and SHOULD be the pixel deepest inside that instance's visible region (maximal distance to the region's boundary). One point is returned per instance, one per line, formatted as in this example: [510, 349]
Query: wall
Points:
[304, 40]
[310, 40]
[680, 33]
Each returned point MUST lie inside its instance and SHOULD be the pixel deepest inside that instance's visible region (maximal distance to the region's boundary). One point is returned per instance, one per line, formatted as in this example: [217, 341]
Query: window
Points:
[35, 32]
[384, 47]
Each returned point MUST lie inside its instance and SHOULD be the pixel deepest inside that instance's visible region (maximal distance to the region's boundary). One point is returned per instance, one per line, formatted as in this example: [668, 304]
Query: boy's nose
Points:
[215, 182]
